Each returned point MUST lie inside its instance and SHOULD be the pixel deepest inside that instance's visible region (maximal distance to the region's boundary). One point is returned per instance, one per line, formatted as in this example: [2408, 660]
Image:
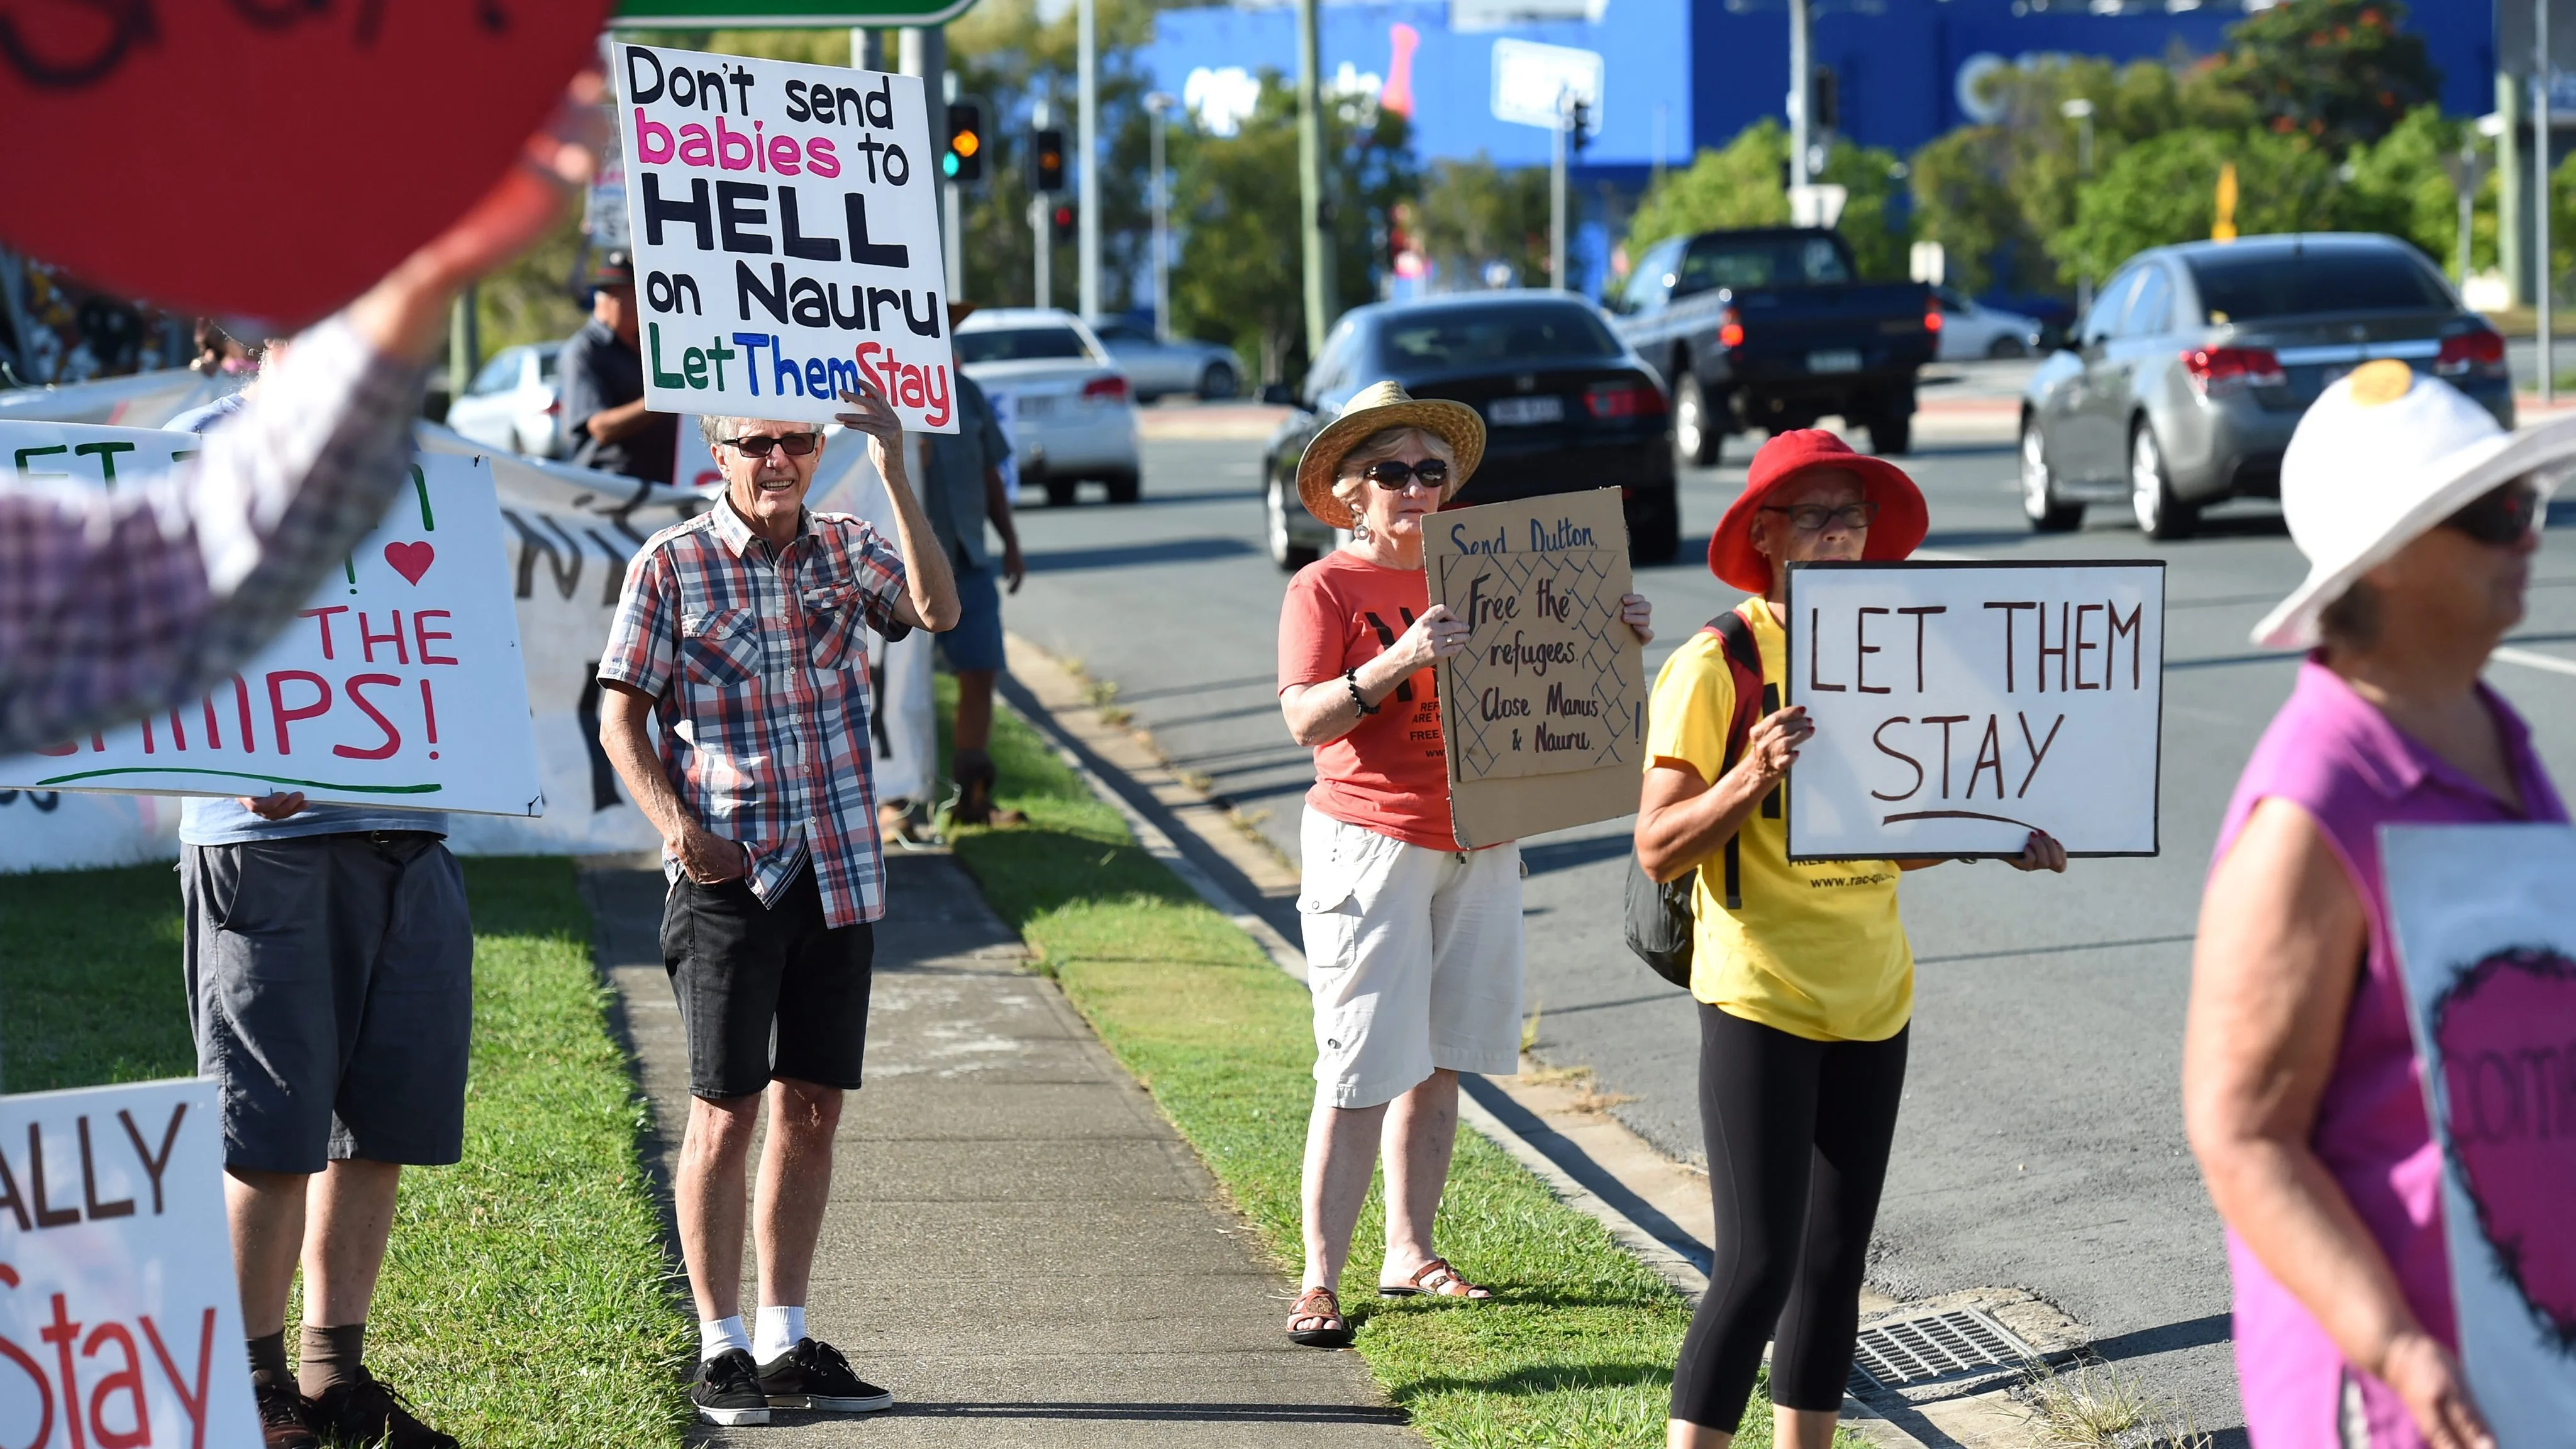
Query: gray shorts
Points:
[331, 991]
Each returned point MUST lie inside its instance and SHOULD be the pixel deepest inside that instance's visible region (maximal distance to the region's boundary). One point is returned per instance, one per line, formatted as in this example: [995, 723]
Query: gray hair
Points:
[2352, 621]
[1384, 443]
[715, 428]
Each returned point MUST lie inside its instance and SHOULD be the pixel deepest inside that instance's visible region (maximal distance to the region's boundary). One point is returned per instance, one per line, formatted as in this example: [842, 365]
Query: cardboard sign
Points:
[1958, 707]
[2487, 945]
[401, 685]
[785, 224]
[119, 1320]
[1544, 712]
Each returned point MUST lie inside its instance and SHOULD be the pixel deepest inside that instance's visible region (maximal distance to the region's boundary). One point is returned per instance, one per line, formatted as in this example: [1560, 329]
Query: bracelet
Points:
[1351, 677]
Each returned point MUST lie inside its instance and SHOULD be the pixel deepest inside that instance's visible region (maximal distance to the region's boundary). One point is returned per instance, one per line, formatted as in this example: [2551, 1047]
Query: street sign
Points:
[1535, 84]
[1817, 204]
[776, 14]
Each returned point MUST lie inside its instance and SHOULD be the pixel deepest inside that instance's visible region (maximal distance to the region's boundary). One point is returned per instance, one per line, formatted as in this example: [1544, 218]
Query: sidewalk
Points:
[1019, 1245]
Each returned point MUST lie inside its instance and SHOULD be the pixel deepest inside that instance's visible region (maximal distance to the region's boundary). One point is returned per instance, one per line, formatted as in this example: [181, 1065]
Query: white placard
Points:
[401, 685]
[1535, 84]
[785, 228]
[119, 1320]
[1958, 707]
[2487, 944]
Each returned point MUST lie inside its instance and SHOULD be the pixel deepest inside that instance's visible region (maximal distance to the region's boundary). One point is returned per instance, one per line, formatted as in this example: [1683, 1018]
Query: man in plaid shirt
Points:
[738, 634]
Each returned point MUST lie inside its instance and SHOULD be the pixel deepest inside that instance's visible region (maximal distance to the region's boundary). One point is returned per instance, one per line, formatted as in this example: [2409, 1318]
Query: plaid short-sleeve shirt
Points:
[759, 678]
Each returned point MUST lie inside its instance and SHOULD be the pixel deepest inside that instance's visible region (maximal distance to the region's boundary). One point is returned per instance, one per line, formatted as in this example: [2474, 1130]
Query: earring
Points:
[1359, 525]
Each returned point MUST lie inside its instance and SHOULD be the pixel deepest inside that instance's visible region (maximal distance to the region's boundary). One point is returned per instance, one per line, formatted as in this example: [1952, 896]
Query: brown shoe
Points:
[366, 1411]
[282, 1422]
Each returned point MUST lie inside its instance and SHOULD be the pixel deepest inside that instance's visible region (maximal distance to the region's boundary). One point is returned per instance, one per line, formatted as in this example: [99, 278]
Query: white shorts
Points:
[1414, 957]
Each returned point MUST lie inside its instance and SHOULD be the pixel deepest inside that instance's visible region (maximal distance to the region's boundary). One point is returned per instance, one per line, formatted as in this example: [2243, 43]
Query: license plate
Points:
[1838, 359]
[1035, 407]
[1521, 411]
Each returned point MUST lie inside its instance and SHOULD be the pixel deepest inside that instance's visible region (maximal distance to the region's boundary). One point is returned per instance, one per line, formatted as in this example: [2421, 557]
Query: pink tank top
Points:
[2339, 759]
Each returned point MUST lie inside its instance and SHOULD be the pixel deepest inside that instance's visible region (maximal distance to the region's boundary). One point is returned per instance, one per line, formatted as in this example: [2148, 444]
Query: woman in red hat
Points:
[1803, 974]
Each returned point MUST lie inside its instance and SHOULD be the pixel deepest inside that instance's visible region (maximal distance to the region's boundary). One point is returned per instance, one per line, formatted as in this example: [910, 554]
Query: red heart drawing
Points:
[2507, 1032]
[410, 560]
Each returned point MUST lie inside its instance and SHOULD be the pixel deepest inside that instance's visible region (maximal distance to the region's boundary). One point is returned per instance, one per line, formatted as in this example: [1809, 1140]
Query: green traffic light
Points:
[948, 164]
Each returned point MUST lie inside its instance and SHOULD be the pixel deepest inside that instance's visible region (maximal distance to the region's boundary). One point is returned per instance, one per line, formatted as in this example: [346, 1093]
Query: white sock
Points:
[780, 1330]
[717, 1335]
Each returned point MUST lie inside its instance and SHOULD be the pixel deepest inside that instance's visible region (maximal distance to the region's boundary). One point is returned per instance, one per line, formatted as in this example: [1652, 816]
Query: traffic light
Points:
[1827, 98]
[1060, 221]
[1046, 160]
[964, 160]
[1578, 127]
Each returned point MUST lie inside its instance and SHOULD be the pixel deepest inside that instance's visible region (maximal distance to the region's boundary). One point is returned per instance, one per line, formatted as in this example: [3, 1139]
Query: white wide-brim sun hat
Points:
[2383, 455]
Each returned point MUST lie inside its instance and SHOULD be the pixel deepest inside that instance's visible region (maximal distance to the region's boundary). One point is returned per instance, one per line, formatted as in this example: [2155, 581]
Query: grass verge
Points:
[1579, 1346]
[525, 1300]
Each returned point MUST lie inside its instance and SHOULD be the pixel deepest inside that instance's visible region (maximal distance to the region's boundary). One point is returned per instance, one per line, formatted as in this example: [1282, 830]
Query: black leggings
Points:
[1798, 1133]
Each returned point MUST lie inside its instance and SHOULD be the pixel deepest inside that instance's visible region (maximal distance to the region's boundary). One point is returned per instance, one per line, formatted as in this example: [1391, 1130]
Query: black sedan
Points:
[1567, 407]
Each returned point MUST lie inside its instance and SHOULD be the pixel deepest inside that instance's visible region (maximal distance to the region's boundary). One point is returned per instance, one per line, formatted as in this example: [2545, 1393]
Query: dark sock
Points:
[331, 1356]
[268, 1359]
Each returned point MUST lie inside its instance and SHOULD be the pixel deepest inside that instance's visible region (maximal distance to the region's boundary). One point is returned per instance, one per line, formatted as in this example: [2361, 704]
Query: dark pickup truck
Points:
[1765, 330]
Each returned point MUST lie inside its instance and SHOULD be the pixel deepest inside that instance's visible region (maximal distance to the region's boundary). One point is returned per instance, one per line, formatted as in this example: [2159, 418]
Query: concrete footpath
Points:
[1019, 1245]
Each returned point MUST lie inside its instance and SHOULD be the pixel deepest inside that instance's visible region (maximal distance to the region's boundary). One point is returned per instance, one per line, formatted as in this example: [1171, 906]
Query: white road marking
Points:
[2533, 659]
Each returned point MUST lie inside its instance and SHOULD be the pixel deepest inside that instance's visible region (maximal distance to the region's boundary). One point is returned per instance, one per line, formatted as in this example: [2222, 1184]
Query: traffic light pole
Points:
[1086, 178]
[1801, 85]
[1556, 197]
[923, 51]
[1310, 180]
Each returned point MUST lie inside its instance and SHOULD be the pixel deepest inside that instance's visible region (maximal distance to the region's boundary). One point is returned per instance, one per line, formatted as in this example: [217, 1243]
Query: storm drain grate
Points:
[1927, 1346]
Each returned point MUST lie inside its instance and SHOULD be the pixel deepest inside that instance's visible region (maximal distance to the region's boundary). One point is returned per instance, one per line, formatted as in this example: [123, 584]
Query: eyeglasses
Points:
[1395, 475]
[1812, 517]
[797, 445]
[2503, 516]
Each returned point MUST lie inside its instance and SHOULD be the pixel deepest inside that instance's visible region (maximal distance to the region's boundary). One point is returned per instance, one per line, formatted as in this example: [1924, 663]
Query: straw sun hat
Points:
[1374, 409]
[2382, 456]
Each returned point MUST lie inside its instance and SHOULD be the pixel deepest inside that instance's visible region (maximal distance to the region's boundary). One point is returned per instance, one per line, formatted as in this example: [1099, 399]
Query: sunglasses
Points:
[797, 445]
[1812, 517]
[1394, 475]
[2503, 516]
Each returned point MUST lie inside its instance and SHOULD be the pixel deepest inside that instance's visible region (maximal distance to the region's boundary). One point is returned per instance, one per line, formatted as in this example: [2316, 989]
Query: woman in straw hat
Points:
[1413, 945]
[2302, 1089]
[1803, 974]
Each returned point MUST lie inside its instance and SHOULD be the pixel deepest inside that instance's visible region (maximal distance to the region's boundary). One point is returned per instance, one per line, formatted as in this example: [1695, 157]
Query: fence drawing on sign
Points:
[1545, 685]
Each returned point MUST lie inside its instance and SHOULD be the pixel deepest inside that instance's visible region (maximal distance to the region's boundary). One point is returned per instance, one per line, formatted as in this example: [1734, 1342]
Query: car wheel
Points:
[2160, 514]
[2039, 490]
[1891, 434]
[1285, 550]
[2007, 346]
[1218, 383]
[1059, 491]
[1655, 537]
[1696, 441]
[1123, 487]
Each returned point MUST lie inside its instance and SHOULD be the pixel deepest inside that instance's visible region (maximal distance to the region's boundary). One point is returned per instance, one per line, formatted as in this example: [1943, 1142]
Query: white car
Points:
[1155, 367]
[514, 403]
[1971, 329]
[1072, 414]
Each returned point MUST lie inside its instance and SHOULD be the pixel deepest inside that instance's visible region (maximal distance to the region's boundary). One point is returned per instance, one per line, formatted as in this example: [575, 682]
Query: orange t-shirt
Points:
[1390, 774]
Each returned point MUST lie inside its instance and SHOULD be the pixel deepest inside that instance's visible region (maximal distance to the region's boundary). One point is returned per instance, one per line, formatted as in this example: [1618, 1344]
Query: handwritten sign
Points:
[1958, 707]
[786, 237]
[119, 1320]
[400, 685]
[2487, 945]
[1544, 711]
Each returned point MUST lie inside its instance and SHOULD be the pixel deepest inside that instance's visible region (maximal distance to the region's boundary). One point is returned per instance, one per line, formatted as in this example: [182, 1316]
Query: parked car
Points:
[1567, 406]
[1073, 415]
[1970, 329]
[1156, 366]
[1766, 330]
[2196, 361]
[513, 403]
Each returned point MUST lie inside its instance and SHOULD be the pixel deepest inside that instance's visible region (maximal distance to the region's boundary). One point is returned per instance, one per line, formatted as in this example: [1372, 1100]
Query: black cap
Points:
[615, 269]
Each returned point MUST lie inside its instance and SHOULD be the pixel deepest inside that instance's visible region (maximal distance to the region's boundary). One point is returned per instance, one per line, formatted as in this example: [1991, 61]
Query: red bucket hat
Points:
[1896, 532]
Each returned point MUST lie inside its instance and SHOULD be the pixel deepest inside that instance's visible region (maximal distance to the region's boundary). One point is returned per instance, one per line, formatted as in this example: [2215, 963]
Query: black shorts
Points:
[766, 991]
[331, 992]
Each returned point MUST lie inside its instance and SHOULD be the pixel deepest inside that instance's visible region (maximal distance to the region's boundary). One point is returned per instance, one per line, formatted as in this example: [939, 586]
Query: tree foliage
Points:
[2165, 190]
[2341, 72]
[1738, 185]
[2400, 186]
[1473, 212]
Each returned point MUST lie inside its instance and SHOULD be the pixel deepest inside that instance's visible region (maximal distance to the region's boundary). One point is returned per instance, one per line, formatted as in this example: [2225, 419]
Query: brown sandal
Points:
[1436, 1279]
[1329, 1311]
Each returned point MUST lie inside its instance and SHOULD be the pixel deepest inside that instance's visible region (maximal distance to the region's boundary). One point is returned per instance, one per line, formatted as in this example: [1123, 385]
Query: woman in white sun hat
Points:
[2302, 1091]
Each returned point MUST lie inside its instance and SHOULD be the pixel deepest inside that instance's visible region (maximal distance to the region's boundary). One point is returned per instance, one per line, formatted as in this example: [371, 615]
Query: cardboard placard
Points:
[119, 1319]
[2487, 946]
[785, 225]
[1543, 713]
[401, 685]
[1960, 706]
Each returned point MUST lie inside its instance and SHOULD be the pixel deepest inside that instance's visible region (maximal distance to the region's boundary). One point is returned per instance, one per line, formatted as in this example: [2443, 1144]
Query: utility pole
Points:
[1310, 179]
[1556, 195]
[1802, 77]
[1041, 234]
[923, 51]
[2080, 111]
[1087, 136]
[1158, 105]
[2545, 298]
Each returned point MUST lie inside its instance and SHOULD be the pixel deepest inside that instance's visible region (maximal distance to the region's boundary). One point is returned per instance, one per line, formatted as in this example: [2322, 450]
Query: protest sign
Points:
[2486, 943]
[119, 1320]
[1959, 706]
[400, 685]
[1544, 712]
[786, 237]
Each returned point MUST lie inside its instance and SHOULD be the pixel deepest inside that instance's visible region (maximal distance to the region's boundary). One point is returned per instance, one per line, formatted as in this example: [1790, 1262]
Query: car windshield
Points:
[1459, 337]
[1762, 261]
[1021, 344]
[2243, 288]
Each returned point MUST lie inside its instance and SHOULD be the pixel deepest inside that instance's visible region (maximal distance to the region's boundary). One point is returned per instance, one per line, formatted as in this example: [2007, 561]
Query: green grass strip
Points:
[526, 1300]
[1578, 1346]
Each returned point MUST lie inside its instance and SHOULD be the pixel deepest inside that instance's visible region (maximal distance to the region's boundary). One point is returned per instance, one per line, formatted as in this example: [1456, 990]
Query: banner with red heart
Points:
[410, 560]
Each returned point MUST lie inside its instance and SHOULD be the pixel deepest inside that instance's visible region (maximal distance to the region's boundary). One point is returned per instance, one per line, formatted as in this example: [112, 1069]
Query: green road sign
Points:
[764, 14]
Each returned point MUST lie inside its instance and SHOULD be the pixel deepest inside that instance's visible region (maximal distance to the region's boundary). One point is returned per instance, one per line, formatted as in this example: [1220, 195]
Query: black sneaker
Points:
[727, 1390]
[282, 1423]
[813, 1375]
[366, 1411]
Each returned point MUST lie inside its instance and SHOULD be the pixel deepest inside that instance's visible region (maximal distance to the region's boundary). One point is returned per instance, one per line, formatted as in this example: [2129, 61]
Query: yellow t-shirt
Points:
[1817, 951]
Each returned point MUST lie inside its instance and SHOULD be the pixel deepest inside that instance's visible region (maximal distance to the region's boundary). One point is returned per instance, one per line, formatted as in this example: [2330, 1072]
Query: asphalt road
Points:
[2041, 1144]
